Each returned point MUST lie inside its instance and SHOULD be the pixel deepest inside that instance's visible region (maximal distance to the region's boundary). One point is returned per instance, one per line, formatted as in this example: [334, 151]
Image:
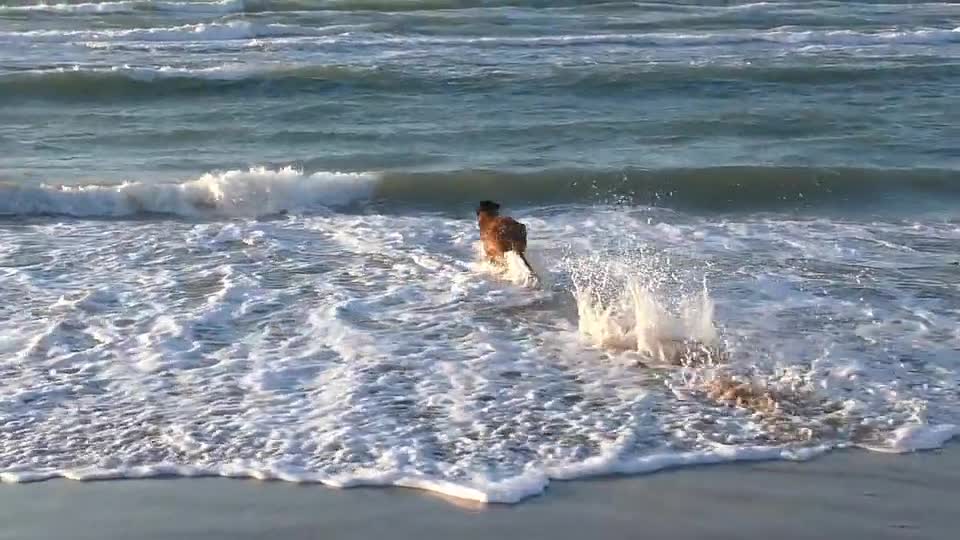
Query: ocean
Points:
[238, 238]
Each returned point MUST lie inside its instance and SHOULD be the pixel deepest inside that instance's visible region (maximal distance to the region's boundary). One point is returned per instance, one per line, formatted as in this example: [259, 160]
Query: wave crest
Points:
[128, 6]
[213, 31]
[255, 192]
[262, 191]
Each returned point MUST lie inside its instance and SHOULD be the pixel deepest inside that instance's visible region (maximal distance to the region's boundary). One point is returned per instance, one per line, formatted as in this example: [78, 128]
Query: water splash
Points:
[512, 269]
[639, 302]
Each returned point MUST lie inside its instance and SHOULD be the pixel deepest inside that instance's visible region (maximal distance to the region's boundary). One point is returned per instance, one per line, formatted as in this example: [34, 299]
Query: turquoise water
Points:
[169, 90]
[237, 237]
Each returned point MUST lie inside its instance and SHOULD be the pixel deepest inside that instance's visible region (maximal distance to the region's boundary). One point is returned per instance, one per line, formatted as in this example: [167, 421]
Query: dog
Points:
[501, 234]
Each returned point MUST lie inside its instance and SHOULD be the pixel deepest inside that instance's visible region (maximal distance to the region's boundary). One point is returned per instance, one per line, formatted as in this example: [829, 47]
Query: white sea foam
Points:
[212, 6]
[511, 490]
[230, 71]
[254, 192]
[83, 7]
[213, 31]
[511, 269]
[127, 6]
[914, 437]
[366, 349]
[918, 36]
[922, 36]
[237, 29]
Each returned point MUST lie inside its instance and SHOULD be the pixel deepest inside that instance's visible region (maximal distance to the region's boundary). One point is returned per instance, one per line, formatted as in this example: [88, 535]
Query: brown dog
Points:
[501, 234]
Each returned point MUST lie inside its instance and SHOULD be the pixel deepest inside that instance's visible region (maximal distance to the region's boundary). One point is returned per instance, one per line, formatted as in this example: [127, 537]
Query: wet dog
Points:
[501, 234]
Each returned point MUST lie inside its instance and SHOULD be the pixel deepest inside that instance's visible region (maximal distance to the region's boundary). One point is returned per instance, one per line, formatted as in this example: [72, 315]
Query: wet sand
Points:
[849, 495]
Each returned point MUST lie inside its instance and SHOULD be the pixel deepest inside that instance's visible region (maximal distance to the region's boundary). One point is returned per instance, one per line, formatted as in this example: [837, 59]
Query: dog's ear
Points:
[489, 207]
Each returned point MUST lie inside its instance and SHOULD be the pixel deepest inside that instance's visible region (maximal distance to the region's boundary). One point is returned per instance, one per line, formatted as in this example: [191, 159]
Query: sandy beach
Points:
[849, 495]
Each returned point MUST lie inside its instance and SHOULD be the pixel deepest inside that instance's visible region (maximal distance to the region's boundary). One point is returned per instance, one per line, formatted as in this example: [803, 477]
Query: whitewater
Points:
[359, 347]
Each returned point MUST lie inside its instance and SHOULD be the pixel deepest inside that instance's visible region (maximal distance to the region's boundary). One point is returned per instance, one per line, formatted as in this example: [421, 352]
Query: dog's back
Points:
[501, 234]
[505, 233]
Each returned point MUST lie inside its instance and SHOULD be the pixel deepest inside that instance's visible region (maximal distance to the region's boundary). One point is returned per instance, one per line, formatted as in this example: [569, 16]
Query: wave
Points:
[385, 6]
[921, 36]
[85, 7]
[267, 6]
[246, 30]
[187, 32]
[710, 188]
[131, 82]
[508, 490]
[134, 82]
[262, 191]
[482, 488]
[128, 6]
[270, 6]
[256, 192]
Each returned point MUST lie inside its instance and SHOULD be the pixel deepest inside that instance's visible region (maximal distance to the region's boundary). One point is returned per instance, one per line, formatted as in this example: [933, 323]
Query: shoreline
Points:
[852, 493]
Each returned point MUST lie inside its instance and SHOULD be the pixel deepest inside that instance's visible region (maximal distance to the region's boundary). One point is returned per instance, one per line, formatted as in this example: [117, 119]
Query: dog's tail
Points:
[526, 262]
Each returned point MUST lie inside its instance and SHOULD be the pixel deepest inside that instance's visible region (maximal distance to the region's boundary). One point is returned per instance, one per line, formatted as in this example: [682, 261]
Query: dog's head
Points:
[488, 208]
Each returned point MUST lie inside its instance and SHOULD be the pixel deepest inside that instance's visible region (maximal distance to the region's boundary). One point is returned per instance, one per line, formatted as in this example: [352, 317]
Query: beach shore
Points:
[850, 495]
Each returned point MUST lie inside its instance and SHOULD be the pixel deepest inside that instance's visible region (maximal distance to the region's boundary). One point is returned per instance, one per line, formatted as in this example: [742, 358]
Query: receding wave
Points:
[261, 191]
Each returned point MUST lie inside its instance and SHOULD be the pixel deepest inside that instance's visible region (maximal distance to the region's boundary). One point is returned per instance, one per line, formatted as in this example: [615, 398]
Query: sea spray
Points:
[638, 302]
[512, 269]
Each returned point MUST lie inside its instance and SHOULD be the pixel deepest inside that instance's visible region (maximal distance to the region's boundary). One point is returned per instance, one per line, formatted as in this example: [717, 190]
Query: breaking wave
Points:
[261, 191]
